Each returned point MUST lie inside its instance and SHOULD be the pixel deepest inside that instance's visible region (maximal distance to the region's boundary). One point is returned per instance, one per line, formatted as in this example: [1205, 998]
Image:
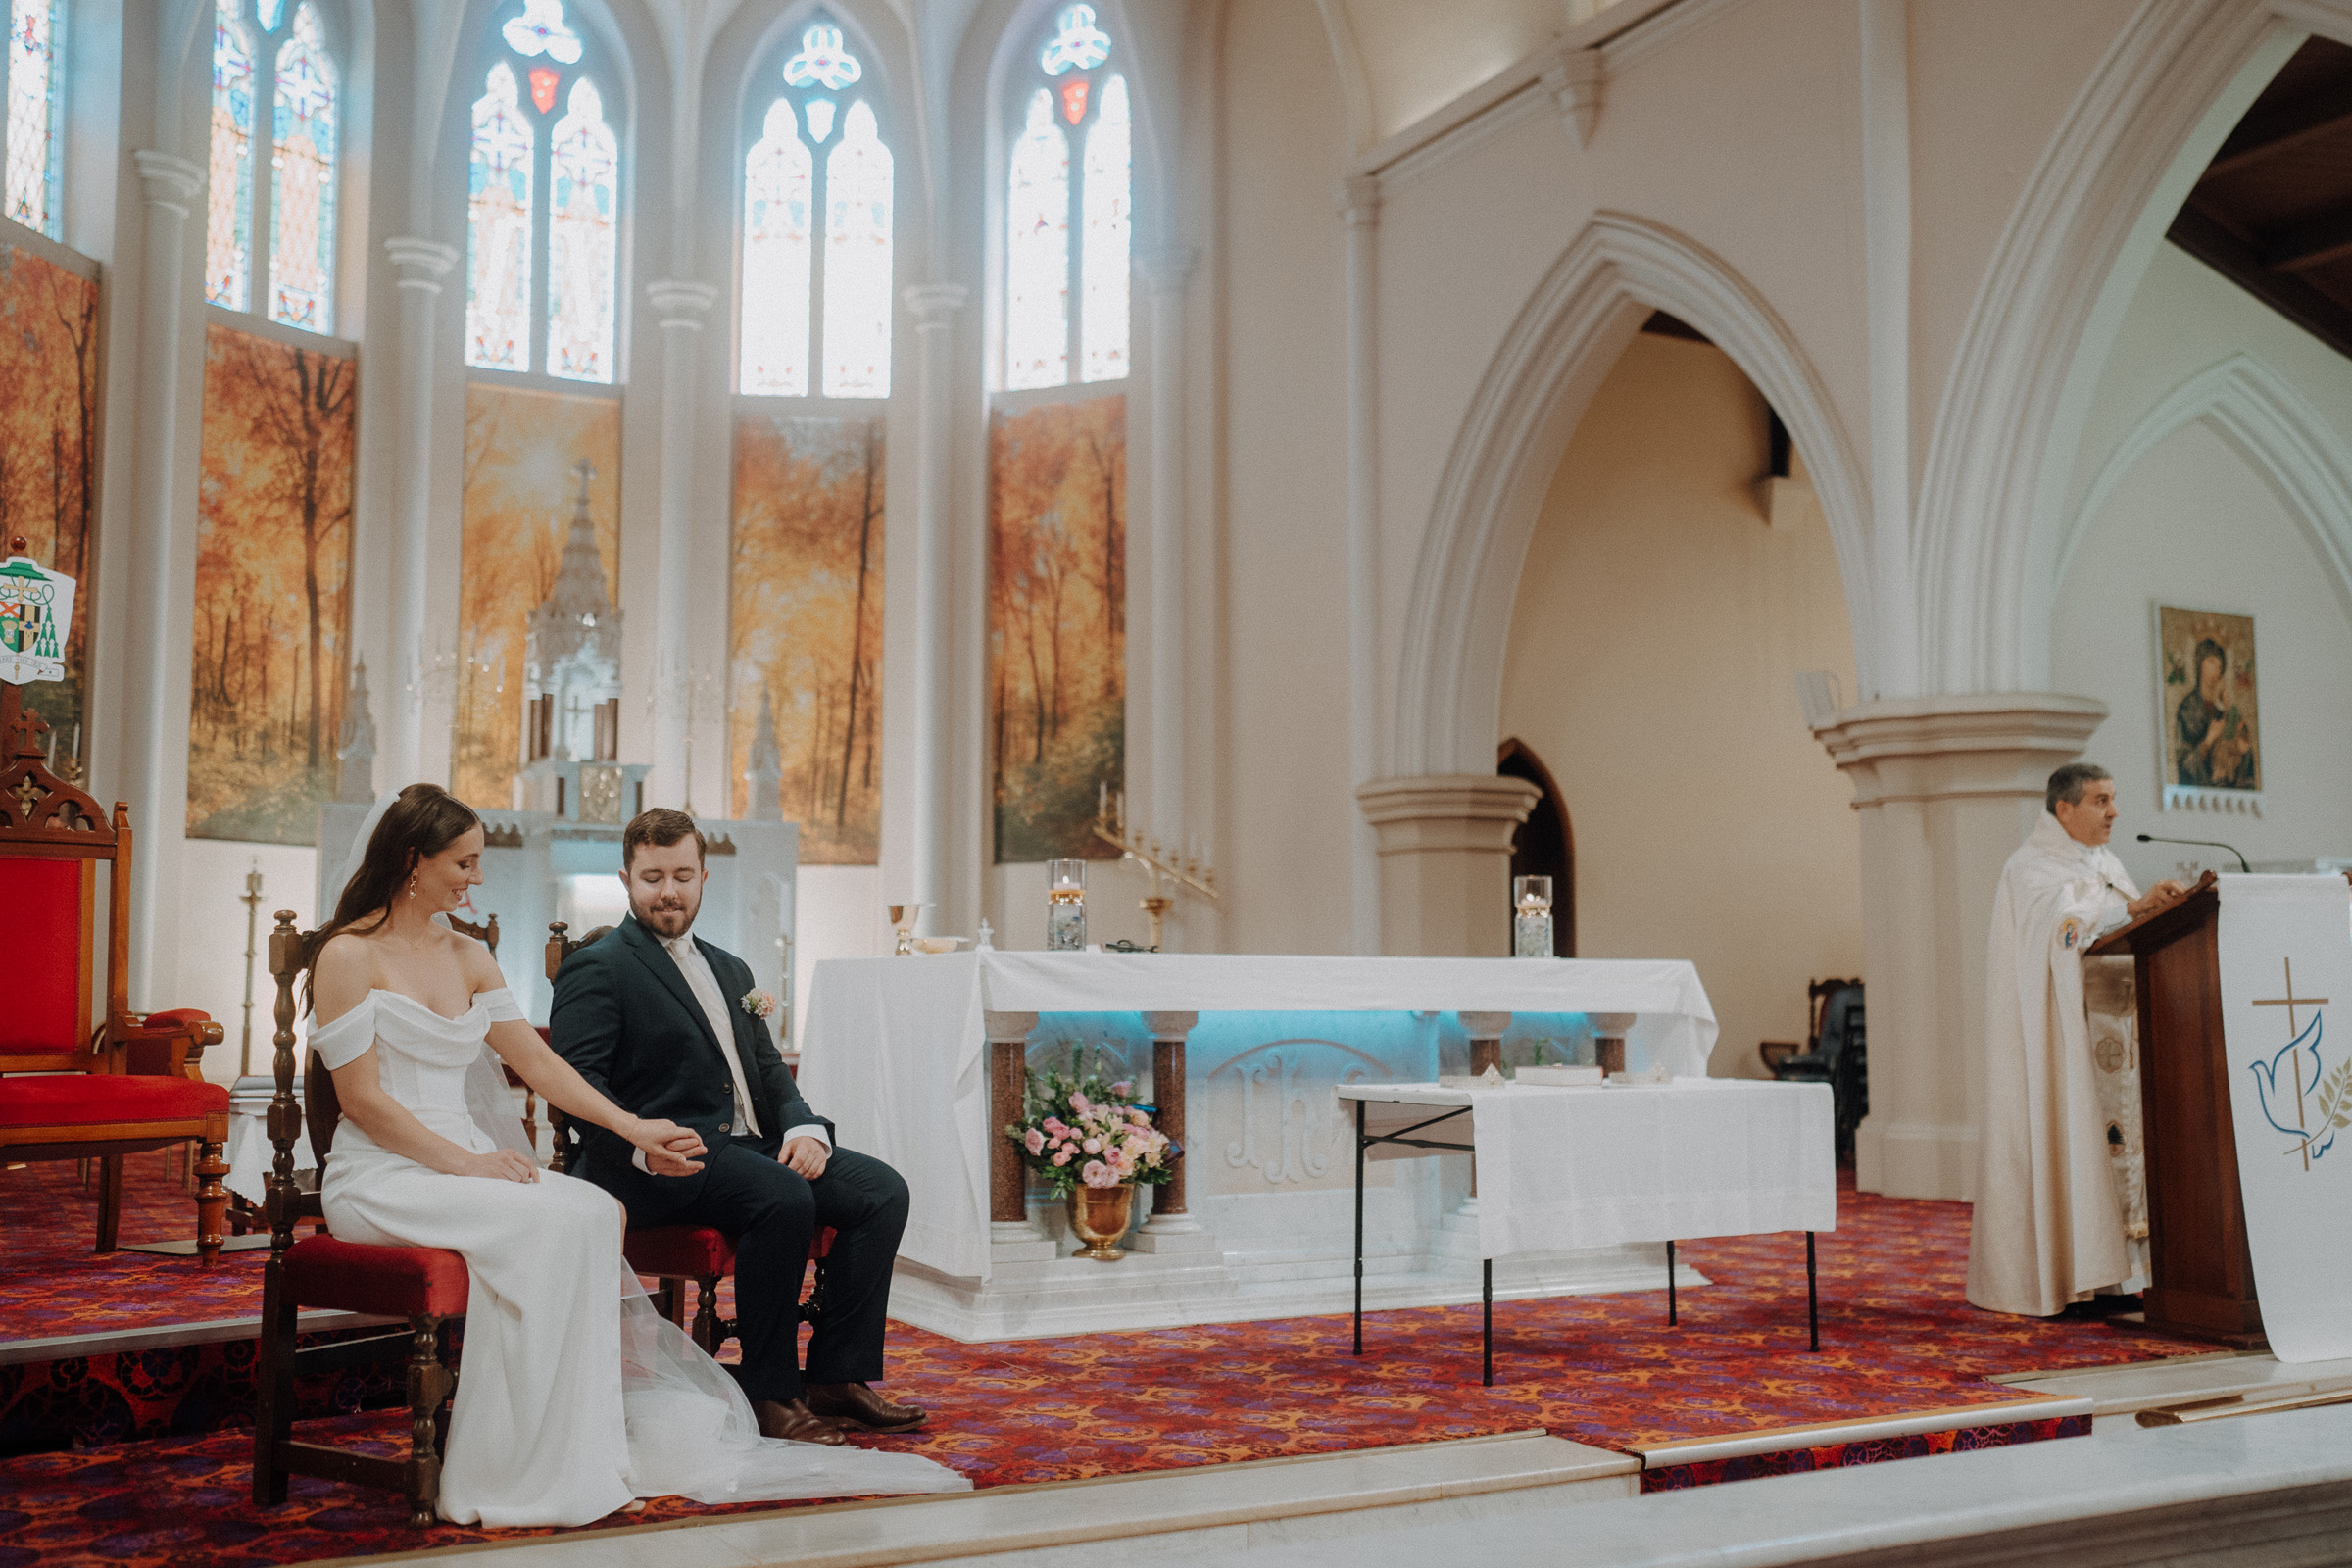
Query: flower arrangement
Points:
[1080, 1130]
[760, 1004]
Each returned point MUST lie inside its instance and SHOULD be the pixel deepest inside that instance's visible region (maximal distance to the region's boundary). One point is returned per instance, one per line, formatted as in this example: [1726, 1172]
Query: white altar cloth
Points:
[1560, 1168]
[895, 1049]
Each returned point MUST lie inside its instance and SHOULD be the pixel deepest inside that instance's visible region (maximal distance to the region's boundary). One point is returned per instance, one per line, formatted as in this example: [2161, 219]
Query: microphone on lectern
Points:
[2203, 844]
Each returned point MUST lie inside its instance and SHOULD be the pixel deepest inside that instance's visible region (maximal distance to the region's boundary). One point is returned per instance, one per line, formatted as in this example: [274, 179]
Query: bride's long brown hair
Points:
[424, 821]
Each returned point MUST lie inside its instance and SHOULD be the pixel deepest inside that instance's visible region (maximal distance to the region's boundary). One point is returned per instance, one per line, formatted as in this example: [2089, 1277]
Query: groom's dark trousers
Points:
[625, 1016]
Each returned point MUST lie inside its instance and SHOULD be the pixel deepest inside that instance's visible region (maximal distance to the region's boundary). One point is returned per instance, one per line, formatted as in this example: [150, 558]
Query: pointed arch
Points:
[1550, 363]
[2275, 430]
[1991, 519]
[302, 175]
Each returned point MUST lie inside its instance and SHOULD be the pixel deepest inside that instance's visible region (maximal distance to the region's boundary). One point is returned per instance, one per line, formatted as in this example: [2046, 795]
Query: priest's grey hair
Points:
[2069, 783]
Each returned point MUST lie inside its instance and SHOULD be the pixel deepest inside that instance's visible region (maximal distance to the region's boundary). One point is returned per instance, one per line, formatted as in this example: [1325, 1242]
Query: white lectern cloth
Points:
[895, 1049]
[1560, 1168]
[2290, 1101]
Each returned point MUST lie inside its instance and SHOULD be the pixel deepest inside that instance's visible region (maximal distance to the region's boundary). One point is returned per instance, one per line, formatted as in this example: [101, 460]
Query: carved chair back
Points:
[52, 837]
[486, 933]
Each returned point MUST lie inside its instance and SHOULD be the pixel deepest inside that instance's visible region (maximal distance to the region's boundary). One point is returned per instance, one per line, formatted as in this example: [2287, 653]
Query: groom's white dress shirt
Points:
[704, 985]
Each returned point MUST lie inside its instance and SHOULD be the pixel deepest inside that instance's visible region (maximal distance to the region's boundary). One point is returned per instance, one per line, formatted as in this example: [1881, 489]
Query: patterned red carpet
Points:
[1603, 1370]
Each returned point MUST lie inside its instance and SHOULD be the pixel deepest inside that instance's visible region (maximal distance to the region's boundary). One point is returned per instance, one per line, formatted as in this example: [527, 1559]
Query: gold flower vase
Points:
[1099, 1216]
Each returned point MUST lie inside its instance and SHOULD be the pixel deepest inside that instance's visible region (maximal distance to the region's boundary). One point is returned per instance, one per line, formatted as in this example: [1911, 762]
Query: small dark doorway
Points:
[1543, 845]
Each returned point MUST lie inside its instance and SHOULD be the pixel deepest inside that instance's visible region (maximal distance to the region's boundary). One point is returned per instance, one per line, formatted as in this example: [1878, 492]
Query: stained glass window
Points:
[302, 181]
[1066, 307]
[858, 276]
[498, 230]
[583, 241]
[1108, 187]
[36, 128]
[777, 186]
[817, 279]
[1037, 253]
[228, 217]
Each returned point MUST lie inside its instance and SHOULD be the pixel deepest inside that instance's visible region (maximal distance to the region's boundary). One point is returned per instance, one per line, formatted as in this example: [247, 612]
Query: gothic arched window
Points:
[36, 113]
[265, 52]
[818, 211]
[1065, 307]
[543, 207]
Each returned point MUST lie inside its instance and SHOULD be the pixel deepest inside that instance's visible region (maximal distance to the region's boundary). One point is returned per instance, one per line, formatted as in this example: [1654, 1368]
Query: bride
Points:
[574, 1396]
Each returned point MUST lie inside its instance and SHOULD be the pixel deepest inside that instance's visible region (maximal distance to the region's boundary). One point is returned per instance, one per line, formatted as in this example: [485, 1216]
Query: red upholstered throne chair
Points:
[74, 1086]
[425, 1285]
[673, 1253]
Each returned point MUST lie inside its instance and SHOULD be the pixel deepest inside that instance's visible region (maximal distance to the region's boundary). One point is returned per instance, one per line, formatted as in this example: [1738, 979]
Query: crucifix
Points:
[573, 711]
[583, 470]
[2291, 1001]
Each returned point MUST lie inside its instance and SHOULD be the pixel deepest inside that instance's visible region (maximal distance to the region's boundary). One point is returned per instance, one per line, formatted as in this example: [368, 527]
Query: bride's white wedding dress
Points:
[574, 1396]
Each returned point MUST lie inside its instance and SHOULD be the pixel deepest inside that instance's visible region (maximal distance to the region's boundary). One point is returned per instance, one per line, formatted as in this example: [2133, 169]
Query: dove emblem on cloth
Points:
[2283, 1082]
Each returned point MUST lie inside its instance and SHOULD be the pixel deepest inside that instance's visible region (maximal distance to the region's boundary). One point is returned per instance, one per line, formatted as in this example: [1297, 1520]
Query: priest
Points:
[2061, 1215]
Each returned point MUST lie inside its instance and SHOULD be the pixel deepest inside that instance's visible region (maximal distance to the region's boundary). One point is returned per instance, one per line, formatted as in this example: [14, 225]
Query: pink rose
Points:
[1093, 1145]
[1062, 1158]
[1098, 1174]
[1123, 1088]
[1035, 1143]
[1079, 1104]
[1055, 1126]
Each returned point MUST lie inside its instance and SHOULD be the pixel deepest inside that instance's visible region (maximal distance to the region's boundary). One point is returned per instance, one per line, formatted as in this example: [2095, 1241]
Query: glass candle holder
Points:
[1531, 917]
[1065, 905]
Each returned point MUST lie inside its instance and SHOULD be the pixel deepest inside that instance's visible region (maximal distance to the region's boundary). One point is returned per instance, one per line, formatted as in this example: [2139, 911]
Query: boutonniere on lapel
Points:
[760, 1004]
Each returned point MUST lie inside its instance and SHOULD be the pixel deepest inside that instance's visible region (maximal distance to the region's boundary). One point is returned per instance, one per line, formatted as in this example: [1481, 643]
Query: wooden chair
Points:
[1836, 1052]
[425, 1285]
[76, 1089]
[673, 1253]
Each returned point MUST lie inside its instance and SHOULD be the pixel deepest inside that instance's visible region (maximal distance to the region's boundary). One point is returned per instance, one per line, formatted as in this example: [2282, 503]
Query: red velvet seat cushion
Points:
[324, 1271]
[679, 1252]
[86, 1099]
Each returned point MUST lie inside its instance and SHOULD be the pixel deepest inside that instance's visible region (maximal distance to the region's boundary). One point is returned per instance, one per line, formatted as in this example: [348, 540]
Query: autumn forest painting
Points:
[1058, 623]
[525, 453]
[49, 364]
[273, 566]
[805, 624]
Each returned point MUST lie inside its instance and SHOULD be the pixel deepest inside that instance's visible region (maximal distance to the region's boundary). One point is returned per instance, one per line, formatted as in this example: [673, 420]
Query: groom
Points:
[656, 1018]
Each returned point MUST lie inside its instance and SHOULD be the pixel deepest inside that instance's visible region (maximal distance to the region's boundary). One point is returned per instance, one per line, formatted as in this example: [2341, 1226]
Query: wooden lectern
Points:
[2201, 1275]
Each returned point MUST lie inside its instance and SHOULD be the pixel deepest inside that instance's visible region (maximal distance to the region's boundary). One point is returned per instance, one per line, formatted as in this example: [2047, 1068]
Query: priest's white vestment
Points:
[2061, 1210]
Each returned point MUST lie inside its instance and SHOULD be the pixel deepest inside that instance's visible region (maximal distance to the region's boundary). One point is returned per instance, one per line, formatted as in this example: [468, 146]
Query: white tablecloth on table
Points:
[1560, 1168]
[895, 1049]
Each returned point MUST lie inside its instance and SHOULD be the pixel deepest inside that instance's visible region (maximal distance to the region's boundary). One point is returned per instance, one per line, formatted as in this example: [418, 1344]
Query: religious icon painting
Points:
[2208, 721]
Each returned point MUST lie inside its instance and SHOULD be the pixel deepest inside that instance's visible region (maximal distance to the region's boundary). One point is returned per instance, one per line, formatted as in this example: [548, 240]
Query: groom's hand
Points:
[669, 1148]
[804, 1156]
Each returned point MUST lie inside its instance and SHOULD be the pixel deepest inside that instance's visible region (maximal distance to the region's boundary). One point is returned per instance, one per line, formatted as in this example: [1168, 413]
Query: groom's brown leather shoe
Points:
[856, 1405]
[796, 1423]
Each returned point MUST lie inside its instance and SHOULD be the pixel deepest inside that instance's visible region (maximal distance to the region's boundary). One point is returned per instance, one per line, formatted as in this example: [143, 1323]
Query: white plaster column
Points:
[934, 306]
[1894, 662]
[155, 752]
[679, 306]
[1948, 788]
[1359, 202]
[1167, 275]
[1444, 844]
[421, 265]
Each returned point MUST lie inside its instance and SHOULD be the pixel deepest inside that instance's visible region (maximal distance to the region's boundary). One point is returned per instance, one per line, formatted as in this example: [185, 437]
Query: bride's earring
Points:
[412, 875]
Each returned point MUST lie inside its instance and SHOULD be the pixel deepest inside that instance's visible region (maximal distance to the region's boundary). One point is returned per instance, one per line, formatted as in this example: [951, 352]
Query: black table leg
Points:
[1670, 1315]
[1360, 1227]
[1487, 1296]
[1812, 1294]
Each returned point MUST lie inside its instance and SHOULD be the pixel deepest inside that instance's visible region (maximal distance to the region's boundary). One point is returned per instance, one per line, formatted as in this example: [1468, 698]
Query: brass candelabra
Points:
[1165, 869]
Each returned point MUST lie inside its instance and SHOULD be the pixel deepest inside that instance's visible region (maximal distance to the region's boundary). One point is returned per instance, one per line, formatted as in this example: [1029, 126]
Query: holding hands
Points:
[669, 1148]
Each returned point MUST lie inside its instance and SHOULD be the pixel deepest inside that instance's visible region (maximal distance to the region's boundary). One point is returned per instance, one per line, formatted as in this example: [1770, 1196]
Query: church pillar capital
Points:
[1945, 788]
[1444, 843]
[1358, 200]
[171, 182]
[421, 264]
[934, 304]
[681, 304]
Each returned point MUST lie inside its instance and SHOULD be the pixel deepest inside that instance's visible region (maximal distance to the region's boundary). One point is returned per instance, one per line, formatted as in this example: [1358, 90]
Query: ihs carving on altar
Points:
[1165, 869]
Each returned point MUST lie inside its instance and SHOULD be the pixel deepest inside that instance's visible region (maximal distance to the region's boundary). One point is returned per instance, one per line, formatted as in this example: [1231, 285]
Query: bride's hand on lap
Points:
[499, 1165]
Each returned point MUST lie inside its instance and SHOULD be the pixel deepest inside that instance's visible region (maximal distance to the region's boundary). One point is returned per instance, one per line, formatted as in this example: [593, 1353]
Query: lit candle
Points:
[1102, 799]
[1122, 811]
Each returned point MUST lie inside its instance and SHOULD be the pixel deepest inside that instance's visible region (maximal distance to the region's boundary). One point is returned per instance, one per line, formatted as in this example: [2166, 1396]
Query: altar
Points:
[921, 1062]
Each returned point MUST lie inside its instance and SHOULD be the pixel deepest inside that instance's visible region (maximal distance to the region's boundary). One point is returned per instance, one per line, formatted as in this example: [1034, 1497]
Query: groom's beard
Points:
[668, 914]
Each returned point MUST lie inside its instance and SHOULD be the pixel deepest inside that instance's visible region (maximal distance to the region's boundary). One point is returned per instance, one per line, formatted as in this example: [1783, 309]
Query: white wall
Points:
[212, 939]
[1659, 624]
[2195, 522]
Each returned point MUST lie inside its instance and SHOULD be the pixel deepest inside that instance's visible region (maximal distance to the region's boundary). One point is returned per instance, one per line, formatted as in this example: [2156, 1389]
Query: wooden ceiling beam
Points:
[2315, 241]
[2230, 254]
[2266, 132]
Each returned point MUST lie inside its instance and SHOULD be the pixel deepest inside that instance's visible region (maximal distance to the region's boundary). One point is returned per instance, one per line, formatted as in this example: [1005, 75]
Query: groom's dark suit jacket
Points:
[625, 1017]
